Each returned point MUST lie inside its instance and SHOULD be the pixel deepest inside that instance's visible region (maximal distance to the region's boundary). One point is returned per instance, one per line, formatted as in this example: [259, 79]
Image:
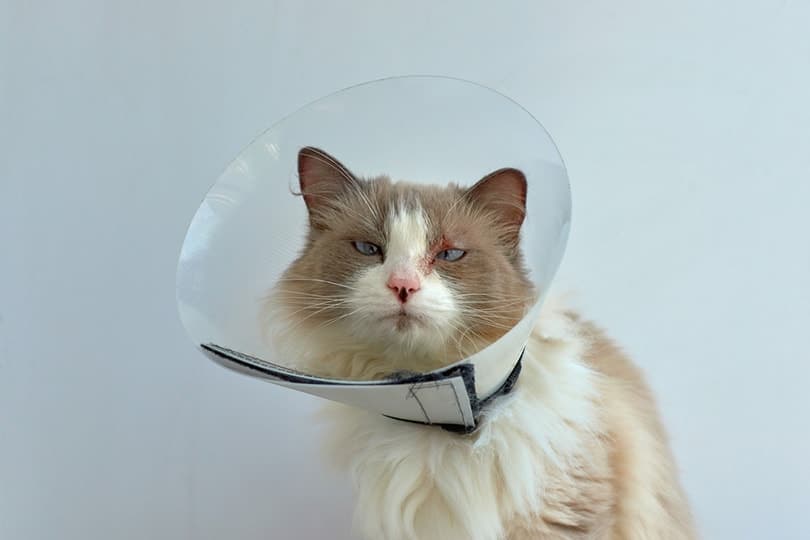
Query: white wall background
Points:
[686, 129]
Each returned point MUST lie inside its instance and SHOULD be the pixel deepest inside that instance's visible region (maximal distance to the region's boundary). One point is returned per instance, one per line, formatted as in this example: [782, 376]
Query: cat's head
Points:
[408, 270]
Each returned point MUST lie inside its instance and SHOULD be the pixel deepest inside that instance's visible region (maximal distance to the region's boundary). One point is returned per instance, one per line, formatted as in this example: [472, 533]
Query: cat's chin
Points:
[368, 347]
[403, 322]
[410, 330]
[368, 350]
[414, 345]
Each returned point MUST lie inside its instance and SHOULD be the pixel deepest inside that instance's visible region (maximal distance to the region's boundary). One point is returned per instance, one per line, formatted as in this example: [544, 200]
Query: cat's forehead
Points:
[403, 197]
[379, 209]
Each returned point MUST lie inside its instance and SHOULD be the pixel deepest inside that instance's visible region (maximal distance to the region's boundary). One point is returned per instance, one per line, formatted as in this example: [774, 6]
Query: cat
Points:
[397, 276]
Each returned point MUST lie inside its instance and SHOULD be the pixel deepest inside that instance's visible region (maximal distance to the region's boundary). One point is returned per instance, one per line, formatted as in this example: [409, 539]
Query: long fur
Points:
[576, 451]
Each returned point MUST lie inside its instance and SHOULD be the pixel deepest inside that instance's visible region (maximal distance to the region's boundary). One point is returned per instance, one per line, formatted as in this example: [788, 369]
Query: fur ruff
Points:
[543, 464]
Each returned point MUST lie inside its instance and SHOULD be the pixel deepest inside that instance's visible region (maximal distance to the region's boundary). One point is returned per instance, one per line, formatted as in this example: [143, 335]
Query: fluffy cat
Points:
[396, 276]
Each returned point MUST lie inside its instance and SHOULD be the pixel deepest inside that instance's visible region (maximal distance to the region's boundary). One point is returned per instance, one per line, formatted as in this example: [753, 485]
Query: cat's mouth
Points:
[403, 320]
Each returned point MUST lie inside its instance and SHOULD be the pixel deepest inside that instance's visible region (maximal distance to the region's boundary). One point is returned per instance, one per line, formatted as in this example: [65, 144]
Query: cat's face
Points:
[407, 267]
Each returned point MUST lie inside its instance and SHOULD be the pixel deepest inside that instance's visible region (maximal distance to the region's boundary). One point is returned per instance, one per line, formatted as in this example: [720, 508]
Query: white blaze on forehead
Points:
[407, 237]
[372, 304]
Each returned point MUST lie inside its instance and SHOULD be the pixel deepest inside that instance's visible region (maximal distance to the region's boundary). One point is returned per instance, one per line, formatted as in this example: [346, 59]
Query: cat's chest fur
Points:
[535, 463]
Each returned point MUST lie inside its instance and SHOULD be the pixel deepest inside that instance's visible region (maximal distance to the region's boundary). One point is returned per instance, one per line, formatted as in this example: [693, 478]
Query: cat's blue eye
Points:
[451, 255]
[367, 248]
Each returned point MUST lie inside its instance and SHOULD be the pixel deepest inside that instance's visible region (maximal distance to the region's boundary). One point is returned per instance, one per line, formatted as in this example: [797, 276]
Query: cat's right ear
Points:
[321, 178]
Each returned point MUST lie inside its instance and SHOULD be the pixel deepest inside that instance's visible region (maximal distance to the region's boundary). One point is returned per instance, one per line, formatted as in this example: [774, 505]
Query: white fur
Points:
[372, 303]
[420, 482]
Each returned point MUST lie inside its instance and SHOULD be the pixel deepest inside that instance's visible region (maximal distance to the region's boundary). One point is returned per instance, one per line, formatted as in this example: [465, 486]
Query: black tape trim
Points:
[228, 357]
[507, 386]
[245, 362]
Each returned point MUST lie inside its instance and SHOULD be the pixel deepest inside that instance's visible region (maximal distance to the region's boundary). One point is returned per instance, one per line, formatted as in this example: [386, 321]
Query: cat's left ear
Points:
[503, 193]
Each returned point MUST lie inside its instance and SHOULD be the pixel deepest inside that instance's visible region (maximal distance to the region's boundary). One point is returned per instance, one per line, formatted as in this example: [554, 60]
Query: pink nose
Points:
[403, 285]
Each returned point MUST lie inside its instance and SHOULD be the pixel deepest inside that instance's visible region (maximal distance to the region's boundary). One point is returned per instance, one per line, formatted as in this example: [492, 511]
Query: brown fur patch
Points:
[490, 280]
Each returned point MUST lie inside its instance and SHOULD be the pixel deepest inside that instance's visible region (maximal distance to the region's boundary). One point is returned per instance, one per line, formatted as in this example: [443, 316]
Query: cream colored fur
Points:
[575, 452]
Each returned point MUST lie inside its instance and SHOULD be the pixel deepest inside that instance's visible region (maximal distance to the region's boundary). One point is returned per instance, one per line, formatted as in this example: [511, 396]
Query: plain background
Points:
[686, 130]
